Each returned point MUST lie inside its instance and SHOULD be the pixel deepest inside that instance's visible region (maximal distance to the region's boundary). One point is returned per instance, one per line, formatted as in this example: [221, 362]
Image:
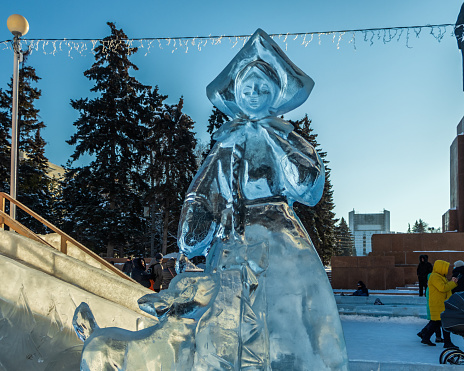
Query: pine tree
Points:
[345, 242]
[5, 140]
[215, 121]
[153, 110]
[420, 226]
[171, 169]
[319, 220]
[34, 185]
[109, 211]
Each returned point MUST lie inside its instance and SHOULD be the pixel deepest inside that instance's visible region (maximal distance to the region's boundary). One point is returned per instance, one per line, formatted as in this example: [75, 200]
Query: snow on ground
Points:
[390, 339]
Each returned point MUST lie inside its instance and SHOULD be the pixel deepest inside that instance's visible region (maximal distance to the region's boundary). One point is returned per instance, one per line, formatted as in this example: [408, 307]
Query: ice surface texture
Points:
[264, 301]
[29, 341]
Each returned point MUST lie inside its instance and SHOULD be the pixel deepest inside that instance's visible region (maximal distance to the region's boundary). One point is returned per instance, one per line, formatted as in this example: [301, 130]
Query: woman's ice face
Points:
[256, 95]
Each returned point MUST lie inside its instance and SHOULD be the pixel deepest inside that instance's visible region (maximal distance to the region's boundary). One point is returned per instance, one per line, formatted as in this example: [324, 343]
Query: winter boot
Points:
[439, 340]
[428, 342]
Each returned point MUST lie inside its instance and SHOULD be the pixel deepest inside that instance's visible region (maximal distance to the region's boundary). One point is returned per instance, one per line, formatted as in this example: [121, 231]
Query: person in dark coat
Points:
[362, 290]
[157, 272]
[127, 267]
[458, 272]
[169, 273]
[423, 270]
[139, 272]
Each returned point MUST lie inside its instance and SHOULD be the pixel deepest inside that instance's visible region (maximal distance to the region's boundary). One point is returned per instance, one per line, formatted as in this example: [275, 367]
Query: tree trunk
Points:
[152, 227]
[109, 250]
[165, 227]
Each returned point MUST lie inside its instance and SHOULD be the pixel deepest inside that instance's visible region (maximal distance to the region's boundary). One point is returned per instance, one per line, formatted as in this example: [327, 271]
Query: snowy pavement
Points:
[391, 343]
[384, 337]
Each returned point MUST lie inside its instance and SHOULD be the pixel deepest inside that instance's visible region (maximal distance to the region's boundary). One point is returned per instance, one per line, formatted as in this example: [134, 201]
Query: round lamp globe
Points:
[17, 25]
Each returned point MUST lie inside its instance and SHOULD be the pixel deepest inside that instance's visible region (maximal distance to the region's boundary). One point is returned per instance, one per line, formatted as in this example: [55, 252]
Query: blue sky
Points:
[385, 113]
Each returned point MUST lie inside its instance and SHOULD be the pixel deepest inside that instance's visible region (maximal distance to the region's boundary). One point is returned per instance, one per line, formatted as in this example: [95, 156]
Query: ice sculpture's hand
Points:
[197, 226]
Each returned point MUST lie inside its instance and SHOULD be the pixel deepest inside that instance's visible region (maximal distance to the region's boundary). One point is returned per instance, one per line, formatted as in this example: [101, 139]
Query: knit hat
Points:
[458, 263]
[159, 257]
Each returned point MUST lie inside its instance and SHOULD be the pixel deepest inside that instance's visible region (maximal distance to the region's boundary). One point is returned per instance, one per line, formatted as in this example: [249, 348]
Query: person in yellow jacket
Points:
[439, 291]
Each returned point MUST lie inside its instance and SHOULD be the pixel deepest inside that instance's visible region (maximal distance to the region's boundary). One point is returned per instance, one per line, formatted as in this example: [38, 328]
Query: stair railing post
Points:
[2, 207]
[64, 245]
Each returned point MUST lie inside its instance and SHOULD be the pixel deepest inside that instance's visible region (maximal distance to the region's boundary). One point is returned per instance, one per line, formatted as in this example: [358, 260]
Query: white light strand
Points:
[353, 40]
[82, 46]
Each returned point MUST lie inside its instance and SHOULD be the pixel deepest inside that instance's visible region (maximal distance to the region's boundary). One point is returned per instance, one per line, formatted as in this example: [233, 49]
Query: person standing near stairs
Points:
[157, 272]
[169, 272]
[423, 270]
[128, 266]
[139, 273]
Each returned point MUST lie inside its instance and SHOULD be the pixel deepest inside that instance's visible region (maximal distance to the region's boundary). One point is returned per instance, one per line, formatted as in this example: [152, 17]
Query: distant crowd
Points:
[158, 275]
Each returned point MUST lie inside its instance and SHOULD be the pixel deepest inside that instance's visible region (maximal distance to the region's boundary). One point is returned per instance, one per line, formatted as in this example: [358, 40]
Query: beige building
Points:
[363, 226]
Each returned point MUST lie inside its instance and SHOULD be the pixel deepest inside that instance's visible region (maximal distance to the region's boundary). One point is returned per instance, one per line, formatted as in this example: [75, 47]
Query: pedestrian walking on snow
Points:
[438, 338]
[439, 291]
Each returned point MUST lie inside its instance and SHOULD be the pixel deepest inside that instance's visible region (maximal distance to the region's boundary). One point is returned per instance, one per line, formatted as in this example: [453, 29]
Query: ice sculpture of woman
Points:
[274, 308]
[264, 301]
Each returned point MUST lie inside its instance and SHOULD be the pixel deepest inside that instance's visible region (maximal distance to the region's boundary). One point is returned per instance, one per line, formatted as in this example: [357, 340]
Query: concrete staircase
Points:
[37, 257]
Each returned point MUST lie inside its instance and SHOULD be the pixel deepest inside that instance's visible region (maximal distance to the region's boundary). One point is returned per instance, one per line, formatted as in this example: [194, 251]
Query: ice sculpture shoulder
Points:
[264, 301]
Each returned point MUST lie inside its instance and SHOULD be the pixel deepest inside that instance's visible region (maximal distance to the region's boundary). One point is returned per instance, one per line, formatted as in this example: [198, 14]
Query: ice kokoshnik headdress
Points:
[262, 58]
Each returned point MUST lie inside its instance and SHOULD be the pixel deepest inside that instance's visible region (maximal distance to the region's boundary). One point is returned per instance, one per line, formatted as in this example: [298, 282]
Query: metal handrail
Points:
[5, 219]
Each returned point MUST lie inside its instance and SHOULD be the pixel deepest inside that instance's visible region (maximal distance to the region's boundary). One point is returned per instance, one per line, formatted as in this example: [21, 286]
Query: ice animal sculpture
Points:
[264, 301]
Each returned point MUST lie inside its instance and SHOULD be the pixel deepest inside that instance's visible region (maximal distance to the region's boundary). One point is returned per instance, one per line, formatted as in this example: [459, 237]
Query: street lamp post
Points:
[18, 26]
[459, 33]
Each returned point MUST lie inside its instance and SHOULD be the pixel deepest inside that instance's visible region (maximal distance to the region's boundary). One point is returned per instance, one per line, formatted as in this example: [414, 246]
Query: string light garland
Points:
[187, 43]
